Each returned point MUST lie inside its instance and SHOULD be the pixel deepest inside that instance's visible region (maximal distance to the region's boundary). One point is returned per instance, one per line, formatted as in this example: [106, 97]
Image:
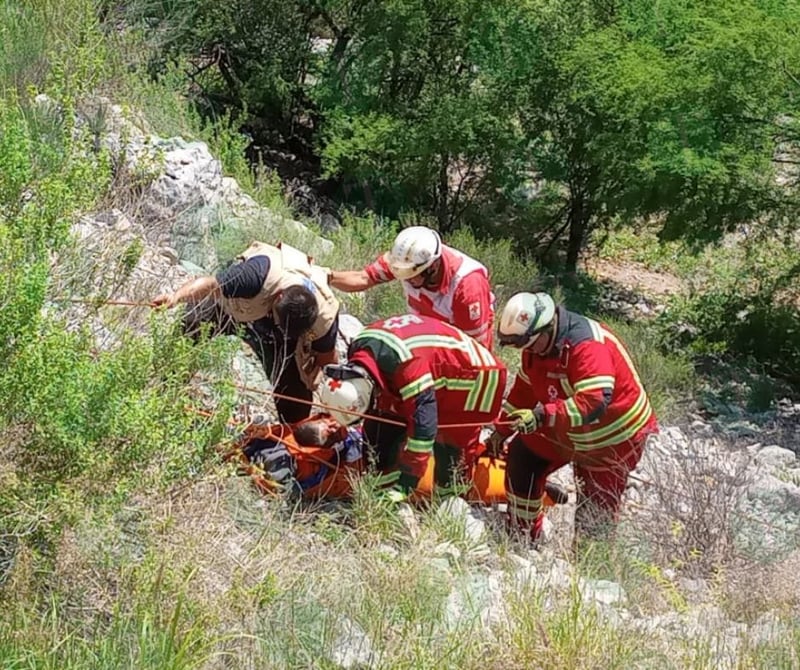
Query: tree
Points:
[666, 109]
[238, 55]
[418, 104]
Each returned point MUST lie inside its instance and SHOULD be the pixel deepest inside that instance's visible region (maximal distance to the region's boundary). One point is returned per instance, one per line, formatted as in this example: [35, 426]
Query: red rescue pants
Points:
[601, 476]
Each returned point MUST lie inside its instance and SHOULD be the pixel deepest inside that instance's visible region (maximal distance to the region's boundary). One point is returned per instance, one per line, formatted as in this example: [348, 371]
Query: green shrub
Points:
[90, 427]
[358, 242]
[738, 323]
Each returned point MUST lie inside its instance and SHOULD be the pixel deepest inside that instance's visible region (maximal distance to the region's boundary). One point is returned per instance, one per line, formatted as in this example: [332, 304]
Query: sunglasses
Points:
[520, 341]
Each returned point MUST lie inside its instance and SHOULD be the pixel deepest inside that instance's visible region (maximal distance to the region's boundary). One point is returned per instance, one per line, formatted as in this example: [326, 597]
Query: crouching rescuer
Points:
[436, 386]
[576, 398]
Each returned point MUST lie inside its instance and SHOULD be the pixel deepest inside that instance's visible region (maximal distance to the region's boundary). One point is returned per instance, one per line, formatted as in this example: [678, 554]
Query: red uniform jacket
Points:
[430, 373]
[464, 298]
[592, 395]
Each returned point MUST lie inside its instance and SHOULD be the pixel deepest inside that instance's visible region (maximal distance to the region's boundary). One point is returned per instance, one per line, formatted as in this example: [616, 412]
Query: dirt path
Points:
[635, 277]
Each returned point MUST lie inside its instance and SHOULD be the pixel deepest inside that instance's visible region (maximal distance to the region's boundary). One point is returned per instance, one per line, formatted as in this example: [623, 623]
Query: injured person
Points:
[319, 458]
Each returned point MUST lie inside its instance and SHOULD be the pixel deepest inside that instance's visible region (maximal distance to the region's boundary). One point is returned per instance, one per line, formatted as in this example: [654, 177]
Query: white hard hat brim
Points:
[401, 272]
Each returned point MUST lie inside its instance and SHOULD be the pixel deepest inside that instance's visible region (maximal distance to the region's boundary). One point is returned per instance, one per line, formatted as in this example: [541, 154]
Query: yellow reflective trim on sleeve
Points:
[508, 407]
[419, 446]
[574, 414]
[417, 386]
[392, 341]
[620, 430]
[626, 434]
[613, 427]
[521, 374]
[594, 383]
[490, 390]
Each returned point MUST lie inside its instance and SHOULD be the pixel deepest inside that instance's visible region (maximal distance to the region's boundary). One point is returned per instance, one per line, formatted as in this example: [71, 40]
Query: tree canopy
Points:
[542, 118]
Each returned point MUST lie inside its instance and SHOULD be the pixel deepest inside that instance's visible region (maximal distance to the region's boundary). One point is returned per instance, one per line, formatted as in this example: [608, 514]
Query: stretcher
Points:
[321, 473]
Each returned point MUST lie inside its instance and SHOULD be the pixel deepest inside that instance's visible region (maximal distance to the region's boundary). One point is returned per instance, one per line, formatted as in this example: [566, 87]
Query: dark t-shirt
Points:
[245, 280]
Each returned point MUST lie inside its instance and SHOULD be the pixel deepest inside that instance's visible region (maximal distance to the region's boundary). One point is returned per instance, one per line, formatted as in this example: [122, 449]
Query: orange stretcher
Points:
[322, 476]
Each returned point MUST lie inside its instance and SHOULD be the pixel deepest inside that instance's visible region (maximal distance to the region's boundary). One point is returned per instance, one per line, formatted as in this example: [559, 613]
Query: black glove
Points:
[494, 445]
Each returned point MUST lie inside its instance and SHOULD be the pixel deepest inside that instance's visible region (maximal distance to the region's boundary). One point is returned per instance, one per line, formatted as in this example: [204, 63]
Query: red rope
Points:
[372, 417]
[132, 303]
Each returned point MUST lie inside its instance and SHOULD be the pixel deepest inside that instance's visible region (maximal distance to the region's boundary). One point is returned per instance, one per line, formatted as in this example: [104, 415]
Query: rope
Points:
[371, 417]
[99, 302]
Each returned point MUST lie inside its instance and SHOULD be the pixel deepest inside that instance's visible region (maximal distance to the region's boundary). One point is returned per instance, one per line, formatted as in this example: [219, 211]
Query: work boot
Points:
[558, 494]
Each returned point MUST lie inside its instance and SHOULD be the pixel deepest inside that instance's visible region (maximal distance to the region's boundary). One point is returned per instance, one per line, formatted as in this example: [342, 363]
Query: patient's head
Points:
[317, 431]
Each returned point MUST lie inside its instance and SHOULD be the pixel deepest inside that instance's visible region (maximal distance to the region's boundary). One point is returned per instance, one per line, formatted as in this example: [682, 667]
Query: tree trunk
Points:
[578, 222]
[443, 196]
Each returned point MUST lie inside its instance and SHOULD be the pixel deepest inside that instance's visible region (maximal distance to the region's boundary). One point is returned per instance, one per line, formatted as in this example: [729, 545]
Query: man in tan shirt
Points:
[281, 304]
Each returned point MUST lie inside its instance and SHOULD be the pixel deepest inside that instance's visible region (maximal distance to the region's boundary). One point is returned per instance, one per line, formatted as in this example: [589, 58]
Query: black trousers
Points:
[276, 353]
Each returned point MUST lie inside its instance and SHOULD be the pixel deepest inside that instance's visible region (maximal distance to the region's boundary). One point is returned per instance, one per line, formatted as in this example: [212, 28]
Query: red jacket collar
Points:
[363, 359]
[450, 264]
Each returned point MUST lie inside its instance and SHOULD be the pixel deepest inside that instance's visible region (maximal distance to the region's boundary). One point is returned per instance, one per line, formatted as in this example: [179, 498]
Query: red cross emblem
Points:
[334, 384]
[524, 317]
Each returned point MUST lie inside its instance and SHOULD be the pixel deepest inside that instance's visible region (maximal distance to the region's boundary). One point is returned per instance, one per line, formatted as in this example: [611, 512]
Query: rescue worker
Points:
[438, 281]
[281, 304]
[576, 398]
[420, 373]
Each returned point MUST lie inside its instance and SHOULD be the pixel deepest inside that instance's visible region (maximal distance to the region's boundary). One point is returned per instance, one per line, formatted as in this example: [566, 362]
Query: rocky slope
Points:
[707, 494]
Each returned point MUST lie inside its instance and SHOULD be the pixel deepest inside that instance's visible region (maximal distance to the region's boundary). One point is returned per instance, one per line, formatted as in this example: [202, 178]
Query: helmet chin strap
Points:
[550, 334]
[430, 275]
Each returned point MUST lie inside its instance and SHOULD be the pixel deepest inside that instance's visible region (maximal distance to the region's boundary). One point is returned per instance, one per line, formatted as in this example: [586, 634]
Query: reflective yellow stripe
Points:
[419, 446]
[593, 383]
[508, 407]
[392, 341]
[525, 508]
[565, 385]
[443, 342]
[454, 384]
[417, 386]
[624, 353]
[388, 478]
[627, 434]
[613, 427]
[492, 382]
[635, 422]
[598, 332]
[574, 414]
[474, 394]
[483, 354]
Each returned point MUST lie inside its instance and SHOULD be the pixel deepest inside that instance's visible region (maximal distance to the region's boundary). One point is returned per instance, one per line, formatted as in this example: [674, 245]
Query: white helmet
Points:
[414, 250]
[346, 392]
[524, 318]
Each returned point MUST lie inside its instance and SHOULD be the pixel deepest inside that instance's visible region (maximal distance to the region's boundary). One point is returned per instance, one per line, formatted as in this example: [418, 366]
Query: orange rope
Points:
[372, 417]
[98, 302]
[131, 303]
